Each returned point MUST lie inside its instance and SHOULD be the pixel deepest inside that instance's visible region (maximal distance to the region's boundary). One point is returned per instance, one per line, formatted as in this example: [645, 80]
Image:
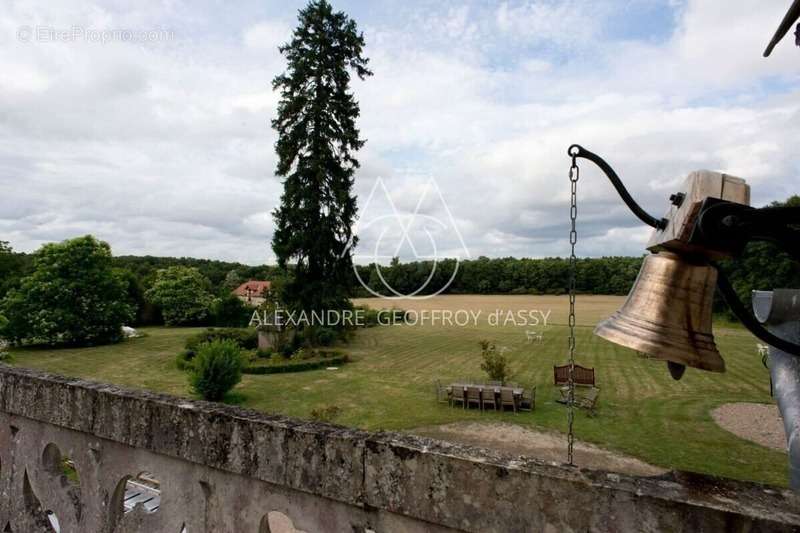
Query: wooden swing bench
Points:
[584, 377]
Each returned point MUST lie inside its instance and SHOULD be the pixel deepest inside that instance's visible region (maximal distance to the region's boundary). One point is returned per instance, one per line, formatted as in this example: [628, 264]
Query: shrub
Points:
[4, 355]
[309, 336]
[287, 350]
[246, 339]
[185, 360]
[229, 311]
[329, 413]
[494, 363]
[216, 369]
[289, 341]
[321, 336]
[264, 354]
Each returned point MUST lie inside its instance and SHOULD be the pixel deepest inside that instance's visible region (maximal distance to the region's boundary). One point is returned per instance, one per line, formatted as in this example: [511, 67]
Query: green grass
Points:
[389, 384]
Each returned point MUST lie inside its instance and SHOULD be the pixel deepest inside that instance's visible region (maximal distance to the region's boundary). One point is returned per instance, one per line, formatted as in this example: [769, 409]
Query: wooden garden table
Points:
[516, 391]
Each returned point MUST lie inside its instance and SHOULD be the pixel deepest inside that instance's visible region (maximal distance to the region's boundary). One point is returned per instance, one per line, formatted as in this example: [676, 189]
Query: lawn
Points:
[389, 383]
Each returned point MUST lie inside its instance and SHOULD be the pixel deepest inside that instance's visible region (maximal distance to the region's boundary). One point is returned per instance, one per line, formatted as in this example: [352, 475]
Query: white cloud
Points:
[267, 35]
[166, 148]
[564, 23]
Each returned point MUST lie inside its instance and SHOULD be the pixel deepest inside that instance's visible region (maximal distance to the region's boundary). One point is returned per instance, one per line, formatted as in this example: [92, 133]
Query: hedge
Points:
[296, 366]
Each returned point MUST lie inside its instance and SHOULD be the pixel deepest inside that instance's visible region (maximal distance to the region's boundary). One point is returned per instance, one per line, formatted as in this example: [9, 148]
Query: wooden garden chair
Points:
[588, 401]
[528, 400]
[507, 398]
[474, 396]
[442, 396]
[487, 398]
[457, 395]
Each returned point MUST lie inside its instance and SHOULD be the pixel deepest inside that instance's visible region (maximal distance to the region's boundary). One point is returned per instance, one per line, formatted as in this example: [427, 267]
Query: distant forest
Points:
[763, 266]
[509, 275]
[145, 267]
[606, 275]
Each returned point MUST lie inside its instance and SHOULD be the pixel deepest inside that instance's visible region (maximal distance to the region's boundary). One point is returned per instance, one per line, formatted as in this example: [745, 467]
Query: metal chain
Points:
[574, 175]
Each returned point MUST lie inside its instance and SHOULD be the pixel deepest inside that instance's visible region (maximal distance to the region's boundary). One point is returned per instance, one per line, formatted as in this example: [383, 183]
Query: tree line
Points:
[46, 296]
[76, 293]
[508, 275]
[762, 266]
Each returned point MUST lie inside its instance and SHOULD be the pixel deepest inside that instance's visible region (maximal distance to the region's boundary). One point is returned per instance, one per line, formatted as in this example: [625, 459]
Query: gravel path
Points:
[549, 446]
[757, 422]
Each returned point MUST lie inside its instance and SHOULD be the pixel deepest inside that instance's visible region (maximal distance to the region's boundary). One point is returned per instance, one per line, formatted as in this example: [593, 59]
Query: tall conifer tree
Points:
[317, 141]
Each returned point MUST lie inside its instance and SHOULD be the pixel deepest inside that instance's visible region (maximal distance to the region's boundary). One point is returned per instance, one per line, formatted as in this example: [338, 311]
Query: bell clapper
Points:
[676, 370]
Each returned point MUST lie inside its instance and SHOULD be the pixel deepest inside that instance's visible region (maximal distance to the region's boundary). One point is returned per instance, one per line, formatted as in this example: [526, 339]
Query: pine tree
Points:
[317, 140]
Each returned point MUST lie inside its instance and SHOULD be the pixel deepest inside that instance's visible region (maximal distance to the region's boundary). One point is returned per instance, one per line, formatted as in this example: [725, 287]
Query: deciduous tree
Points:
[183, 295]
[73, 297]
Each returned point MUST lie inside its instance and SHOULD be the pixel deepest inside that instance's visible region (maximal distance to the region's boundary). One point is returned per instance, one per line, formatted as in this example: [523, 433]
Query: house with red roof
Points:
[253, 292]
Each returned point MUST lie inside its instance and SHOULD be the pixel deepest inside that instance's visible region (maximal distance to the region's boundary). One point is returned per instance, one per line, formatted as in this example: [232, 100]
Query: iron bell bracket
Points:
[577, 151]
[731, 226]
[728, 226]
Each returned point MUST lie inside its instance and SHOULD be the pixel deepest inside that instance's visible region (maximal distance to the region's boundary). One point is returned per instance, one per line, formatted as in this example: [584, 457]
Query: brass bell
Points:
[667, 314]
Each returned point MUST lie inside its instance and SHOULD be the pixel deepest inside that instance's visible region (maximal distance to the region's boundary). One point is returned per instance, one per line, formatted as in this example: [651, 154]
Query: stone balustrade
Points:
[225, 469]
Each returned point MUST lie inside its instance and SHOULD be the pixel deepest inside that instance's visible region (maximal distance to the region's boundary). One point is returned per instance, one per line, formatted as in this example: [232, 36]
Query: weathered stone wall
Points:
[225, 469]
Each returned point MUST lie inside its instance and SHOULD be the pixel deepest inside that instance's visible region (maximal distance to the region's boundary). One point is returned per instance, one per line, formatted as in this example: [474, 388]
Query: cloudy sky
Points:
[160, 144]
